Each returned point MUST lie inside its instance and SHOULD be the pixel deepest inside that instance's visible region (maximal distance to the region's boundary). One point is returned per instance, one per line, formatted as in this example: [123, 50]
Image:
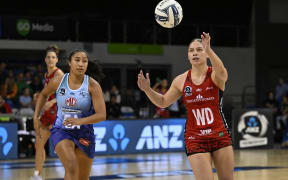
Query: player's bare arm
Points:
[219, 73]
[156, 98]
[44, 94]
[49, 104]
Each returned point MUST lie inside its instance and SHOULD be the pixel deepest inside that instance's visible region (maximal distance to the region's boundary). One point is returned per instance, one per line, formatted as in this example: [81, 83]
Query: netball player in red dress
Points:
[207, 138]
[49, 111]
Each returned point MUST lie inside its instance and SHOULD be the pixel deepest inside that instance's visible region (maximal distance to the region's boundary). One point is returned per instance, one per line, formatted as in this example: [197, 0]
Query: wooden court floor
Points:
[269, 164]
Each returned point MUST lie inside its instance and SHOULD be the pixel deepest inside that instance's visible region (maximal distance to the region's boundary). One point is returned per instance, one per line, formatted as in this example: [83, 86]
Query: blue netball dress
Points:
[76, 104]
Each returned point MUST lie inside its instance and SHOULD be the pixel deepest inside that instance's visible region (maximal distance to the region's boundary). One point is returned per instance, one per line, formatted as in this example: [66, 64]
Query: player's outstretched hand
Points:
[143, 82]
[206, 41]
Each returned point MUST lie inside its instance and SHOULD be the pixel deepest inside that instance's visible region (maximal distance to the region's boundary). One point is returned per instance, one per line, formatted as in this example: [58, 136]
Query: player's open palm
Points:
[206, 41]
[143, 82]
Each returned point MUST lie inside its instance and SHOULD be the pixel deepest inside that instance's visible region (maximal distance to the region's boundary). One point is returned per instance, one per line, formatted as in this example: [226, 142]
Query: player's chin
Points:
[80, 72]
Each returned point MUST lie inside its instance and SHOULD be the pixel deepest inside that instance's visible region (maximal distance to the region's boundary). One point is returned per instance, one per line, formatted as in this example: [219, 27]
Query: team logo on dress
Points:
[209, 88]
[62, 92]
[84, 142]
[71, 101]
[83, 94]
[188, 91]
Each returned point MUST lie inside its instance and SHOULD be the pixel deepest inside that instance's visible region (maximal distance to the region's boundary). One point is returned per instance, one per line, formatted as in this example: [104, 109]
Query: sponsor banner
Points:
[253, 128]
[34, 28]
[8, 141]
[138, 136]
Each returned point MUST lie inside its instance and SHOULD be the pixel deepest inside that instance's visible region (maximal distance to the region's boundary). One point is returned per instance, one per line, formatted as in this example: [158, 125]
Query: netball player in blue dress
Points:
[80, 104]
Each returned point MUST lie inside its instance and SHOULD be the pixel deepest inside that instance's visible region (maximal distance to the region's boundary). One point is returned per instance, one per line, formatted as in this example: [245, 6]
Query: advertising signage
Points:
[8, 141]
[34, 28]
[252, 128]
[138, 136]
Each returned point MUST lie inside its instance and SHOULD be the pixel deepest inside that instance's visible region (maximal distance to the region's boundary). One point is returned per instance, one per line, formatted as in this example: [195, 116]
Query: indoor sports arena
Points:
[168, 90]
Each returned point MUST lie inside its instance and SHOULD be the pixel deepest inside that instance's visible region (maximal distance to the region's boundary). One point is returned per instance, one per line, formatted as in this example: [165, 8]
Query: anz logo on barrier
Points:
[148, 137]
[118, 134]
[4, 145]
[155, 137]
[118, 141]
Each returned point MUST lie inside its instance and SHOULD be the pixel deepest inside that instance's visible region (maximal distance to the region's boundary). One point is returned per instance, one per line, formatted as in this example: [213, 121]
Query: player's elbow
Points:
[163, 105]
[103, 116]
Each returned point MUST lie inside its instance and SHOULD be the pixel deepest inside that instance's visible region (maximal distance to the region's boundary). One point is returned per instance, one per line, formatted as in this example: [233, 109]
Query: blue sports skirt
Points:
[83, 140]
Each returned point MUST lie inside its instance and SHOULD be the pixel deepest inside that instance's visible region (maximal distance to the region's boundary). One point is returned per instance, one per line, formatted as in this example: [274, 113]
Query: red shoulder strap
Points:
[52, 74]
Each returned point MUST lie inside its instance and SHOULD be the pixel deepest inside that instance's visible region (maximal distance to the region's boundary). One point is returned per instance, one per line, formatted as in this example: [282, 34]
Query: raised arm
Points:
[219, 73]
[156, 98]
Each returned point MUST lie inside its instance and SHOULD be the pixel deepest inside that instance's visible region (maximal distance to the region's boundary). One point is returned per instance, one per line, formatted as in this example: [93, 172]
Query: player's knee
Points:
[226, 177]
[71, 166]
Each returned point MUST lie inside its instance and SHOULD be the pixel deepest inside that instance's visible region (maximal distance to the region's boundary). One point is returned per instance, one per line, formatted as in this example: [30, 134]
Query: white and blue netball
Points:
[168, 13]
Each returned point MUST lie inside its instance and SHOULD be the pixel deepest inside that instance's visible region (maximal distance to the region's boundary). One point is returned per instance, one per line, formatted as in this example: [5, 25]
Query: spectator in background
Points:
[25, 99]
[161, 86]
[174, 110]
[36, 84]
[3, 72]
[113, 108]
[4, 107]
[281, 90]
[27, 77]
[114, 90]
[3, 76]
[270, 101]
[21, 84]
[26, 103]
[281, 120]
[10, 89]
[40, 72]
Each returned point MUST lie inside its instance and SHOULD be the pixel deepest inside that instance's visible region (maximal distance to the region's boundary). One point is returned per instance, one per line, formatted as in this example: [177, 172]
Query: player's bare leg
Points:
[85, 163]
[224, 163]
[40, 153]
[65, 150]
[201, 166]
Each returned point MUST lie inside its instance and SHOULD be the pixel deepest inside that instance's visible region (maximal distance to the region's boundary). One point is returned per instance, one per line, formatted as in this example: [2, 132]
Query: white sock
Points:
[36, 173]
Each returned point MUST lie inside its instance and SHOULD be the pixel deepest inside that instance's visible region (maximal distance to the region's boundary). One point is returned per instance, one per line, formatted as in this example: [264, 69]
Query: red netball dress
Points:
[206, 128]
[48, 117]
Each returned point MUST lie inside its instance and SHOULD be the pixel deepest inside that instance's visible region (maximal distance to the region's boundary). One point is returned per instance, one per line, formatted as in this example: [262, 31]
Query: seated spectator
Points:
[21, 84]
[161, 86]
[281, 90]
[27, 76]
[271, 102]
[3, 72]
[113, 91]
[113, 108]
[281, 120]
[10, 89]
[36, 84]
[26, 102]
[4, 107]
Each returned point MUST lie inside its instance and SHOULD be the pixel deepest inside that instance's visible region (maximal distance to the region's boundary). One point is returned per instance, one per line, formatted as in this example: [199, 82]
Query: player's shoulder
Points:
[59, 72]
[181, 77]
[93, 82]
[179, 80]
